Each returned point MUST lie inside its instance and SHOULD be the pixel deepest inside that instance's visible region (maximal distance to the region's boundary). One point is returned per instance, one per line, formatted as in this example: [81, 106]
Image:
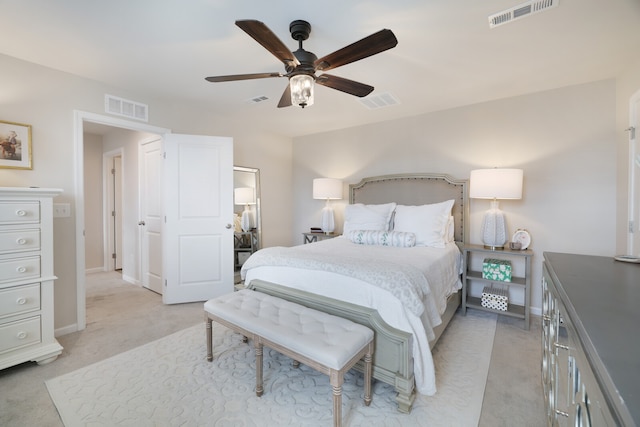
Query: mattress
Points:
[409, 287]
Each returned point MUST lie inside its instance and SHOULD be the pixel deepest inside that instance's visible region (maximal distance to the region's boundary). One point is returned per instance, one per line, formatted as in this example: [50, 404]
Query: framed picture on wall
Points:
[15, 145]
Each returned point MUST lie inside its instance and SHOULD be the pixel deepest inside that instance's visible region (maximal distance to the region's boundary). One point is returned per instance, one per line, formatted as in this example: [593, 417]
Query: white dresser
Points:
[26, 276]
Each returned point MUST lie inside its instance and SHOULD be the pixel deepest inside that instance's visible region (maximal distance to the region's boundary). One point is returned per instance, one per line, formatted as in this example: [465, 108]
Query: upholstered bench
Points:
[330, 344]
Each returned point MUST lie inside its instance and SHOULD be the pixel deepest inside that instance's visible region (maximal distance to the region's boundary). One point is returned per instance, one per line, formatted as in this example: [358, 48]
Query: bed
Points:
[416, 288]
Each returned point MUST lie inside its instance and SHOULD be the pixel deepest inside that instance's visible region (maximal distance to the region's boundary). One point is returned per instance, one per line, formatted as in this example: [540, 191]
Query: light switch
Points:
[61, 210]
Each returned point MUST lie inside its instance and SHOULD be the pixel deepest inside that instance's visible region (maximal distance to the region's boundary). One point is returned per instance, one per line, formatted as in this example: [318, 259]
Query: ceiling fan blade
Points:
[368, 46]
[344, 85]
[263, 35]
[234, 77]
[285, 100]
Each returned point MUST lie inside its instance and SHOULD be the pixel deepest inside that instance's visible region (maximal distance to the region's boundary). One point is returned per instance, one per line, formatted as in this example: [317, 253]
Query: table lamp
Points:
[495, 184]
[327, 189]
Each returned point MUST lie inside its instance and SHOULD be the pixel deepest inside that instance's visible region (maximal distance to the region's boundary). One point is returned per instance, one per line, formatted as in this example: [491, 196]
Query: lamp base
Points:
[494, 228]
[246, 220]
[328, 224]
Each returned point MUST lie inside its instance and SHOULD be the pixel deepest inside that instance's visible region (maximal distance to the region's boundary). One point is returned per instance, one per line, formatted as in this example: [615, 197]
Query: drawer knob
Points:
[21, 241]
[21, 301]
[21, 335]
[21, 269]
[21, 212]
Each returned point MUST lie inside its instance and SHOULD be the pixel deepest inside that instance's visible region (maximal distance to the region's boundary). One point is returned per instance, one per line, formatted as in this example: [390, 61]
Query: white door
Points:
[150, 221]
[198, 207]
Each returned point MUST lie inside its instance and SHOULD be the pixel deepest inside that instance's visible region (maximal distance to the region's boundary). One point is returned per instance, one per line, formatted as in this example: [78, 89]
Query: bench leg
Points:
[368, 370]
[258, 347]
[337, 404]
[209, 334]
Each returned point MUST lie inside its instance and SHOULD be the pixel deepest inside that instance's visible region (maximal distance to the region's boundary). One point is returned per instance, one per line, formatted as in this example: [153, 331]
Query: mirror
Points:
[246, 209]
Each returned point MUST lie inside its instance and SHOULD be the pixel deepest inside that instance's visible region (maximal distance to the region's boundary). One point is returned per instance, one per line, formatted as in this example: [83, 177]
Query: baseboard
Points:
[131, 280]
[65, 330]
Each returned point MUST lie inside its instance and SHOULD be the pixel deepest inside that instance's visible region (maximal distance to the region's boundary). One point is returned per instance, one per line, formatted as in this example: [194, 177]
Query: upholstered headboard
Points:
[417, 189]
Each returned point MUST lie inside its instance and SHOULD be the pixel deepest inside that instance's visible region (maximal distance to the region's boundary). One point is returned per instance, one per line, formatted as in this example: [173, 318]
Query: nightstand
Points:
[316, 237]
[470, 276]
[246, 241]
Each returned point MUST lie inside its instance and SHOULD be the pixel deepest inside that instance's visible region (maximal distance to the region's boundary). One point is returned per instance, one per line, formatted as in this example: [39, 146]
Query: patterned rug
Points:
[168, 382]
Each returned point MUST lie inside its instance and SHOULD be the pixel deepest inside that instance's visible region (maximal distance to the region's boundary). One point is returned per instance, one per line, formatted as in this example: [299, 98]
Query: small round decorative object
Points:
[522, 236]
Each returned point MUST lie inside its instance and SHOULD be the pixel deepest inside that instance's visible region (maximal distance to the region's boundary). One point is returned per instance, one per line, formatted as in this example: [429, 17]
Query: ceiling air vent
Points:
[256, 100]
[520, 11]
[379, 101]
[125, 108]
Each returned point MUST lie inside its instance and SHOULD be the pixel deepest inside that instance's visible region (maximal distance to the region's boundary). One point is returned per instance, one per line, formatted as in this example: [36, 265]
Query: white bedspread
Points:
[408, 286]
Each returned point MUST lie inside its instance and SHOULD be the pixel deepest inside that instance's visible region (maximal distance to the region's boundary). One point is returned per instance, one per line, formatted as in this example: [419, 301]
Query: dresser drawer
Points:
[19, 213]
[19, 299]
[19, 334]
[12, 241]
[19, 268]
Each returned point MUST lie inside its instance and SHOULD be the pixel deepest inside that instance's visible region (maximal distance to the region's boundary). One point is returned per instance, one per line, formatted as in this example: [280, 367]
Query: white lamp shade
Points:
[496, 184]
[244, 196]
[327, 189]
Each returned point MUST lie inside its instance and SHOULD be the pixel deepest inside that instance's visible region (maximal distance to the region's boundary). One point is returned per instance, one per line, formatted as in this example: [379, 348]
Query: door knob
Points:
[228, 226]
[141, 223]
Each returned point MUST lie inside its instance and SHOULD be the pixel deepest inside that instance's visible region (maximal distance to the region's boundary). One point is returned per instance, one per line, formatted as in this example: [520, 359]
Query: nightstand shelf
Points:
[469, 276]
[316, 237]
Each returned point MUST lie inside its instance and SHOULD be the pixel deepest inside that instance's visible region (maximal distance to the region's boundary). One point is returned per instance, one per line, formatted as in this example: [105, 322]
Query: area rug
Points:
[168, 382]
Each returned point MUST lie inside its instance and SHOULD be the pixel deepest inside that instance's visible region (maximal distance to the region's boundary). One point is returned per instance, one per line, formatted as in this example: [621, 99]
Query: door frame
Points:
[634, 151]
[79, 118]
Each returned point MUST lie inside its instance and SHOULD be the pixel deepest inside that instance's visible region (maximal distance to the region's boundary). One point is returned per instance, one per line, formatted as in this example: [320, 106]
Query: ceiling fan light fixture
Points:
[302, 86]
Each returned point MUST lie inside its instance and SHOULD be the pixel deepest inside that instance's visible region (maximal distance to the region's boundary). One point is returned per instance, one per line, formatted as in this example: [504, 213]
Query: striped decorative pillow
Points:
[383, 238]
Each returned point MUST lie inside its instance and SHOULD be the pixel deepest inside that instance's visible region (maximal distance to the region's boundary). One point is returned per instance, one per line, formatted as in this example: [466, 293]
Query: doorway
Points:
[84, 121]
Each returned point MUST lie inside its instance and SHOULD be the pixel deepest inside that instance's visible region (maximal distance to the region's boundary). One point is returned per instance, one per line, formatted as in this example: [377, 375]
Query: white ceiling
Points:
[447, 56]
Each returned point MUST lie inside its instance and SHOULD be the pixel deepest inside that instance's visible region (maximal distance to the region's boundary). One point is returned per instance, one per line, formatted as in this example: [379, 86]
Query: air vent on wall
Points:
[521, 11]
[373, 102]
[125, 108]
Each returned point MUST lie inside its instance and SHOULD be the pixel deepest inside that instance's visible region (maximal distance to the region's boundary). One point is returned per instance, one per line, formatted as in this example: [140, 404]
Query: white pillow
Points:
[367, 217]
[383, 238]
[451, 230]
[428, 222]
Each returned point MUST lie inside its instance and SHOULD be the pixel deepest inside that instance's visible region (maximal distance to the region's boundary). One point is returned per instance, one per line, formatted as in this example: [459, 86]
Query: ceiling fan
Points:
[301, 65]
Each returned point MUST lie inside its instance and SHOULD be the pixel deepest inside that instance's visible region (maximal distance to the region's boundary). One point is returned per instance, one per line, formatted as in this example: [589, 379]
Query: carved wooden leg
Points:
[337, 405]
[258, 346]
[368, 369]
[336, 378]
[209, 334]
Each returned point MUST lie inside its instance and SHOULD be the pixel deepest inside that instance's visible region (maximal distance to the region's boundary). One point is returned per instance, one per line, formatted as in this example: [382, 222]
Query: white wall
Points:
[563, 139]
[46, 99]
[94, 242]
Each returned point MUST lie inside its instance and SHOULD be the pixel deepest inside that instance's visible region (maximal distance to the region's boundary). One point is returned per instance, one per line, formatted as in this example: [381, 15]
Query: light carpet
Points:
[168, 382]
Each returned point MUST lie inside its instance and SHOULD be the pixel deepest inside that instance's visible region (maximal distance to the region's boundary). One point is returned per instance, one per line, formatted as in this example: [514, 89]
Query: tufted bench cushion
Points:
[328, 339]
[327, 343]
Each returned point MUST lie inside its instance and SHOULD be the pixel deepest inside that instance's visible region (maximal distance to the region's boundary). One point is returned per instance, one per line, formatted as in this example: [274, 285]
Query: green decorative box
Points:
[496, 269]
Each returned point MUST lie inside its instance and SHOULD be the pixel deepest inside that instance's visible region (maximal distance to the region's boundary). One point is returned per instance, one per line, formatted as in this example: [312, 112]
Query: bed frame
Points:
[393, 359]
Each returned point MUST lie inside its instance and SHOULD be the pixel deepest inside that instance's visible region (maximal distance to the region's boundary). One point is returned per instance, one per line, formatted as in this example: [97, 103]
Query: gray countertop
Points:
[602, 297]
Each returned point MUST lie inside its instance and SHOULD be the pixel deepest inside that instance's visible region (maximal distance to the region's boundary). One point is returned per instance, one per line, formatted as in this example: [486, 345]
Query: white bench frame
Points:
[336, 377]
